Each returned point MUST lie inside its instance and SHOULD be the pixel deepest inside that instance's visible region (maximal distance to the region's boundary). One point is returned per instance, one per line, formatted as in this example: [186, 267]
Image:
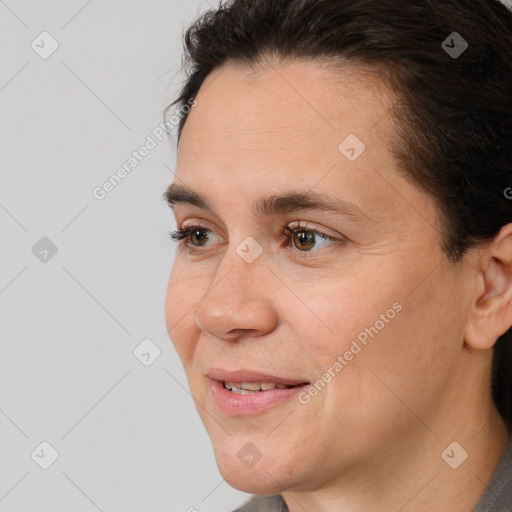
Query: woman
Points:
[341, 294]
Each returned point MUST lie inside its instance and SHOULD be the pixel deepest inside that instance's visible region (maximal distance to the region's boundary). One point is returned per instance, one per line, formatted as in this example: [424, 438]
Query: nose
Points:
[239, 302]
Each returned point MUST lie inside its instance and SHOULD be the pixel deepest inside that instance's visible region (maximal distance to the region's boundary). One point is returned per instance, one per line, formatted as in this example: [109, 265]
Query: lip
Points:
[238, 376]
[233, 404]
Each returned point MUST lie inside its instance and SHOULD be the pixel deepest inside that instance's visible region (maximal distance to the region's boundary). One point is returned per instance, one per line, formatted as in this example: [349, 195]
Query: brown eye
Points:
[304, 239]
[200, 235]
[186, 235]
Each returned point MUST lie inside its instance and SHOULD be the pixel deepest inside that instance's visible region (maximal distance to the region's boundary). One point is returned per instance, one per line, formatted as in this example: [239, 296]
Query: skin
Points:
[372, 439]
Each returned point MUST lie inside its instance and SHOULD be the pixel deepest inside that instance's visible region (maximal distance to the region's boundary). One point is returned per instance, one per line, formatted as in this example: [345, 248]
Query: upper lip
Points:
[223, 375]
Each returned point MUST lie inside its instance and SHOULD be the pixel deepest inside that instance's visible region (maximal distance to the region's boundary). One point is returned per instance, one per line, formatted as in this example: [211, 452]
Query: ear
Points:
[491, 313]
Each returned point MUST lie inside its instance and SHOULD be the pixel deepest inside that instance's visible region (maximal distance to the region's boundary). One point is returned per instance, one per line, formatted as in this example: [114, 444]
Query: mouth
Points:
[246, 388]
[238, 393]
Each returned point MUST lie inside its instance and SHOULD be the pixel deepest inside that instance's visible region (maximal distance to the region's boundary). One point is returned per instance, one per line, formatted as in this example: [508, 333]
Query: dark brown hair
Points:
[454, 120]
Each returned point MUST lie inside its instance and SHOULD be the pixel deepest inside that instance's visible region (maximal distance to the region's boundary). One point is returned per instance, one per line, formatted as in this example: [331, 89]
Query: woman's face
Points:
[371, 318]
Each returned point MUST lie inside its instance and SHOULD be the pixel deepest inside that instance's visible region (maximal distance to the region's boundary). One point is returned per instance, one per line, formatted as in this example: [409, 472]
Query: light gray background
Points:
[128, 435]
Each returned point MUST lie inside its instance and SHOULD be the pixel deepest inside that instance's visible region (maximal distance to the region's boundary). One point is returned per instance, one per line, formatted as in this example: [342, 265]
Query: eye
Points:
[301, 236]
[187, 234]
[305, 238]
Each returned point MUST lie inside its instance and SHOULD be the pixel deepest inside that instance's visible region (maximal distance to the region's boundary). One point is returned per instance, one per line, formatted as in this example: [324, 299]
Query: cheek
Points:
[179, 311]
[368, 322]
[407, 356]
[343, 311]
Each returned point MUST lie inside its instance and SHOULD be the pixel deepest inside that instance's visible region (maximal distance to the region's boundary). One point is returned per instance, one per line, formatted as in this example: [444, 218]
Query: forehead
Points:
[306, 100]
[287, 124]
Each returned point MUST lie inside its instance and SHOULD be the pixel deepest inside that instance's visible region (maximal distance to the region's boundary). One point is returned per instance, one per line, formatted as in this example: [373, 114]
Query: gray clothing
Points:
[498, 495]
[496, 498]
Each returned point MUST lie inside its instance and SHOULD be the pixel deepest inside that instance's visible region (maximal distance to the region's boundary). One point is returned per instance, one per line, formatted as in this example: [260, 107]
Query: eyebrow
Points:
[272, 204]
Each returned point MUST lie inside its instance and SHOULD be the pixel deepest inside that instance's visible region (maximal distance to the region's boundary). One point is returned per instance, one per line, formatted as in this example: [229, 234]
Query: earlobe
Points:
[491, 315]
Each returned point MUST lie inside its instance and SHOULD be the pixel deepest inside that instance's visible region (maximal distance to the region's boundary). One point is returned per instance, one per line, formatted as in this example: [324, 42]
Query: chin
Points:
[245, 468]
[251, 485]
[256, 480]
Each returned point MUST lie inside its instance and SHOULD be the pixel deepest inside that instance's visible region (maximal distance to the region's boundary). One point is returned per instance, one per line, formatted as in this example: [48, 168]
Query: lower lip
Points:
[234, 404]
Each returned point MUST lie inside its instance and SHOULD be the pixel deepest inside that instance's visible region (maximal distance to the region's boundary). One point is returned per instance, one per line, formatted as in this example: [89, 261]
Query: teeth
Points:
[239, 391]
[251, 386]
[245, 388]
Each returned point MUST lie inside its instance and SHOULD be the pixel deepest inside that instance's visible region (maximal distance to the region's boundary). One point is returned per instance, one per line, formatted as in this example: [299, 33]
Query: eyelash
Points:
[182, 236]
